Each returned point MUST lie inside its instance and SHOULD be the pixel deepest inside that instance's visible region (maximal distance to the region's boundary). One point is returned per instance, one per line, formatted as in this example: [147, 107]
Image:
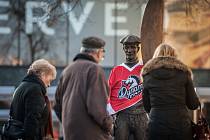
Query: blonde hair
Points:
[165, 50]
[42, 66]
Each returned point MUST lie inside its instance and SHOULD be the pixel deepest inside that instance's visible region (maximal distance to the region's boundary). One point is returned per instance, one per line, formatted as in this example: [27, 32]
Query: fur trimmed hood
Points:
[165, 62]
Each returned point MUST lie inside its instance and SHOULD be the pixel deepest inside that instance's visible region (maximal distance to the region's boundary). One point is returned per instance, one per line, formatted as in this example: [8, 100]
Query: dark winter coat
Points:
[28, 106]
[168, 94]
[82, 96]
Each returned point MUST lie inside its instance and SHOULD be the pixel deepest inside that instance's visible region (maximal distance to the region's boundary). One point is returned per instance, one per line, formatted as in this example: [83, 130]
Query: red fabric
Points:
[125, 87]
[49, 128]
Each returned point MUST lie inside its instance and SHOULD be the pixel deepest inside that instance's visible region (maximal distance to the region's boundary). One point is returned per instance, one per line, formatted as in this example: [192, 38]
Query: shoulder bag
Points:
[200, 130]
[12, 129]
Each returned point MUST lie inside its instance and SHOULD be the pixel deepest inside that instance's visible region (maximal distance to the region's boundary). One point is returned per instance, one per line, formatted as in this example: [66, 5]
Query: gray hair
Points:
[88, 50]
[42, 66]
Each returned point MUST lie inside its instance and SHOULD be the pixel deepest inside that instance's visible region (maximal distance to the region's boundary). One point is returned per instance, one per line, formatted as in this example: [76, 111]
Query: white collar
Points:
[132, 68]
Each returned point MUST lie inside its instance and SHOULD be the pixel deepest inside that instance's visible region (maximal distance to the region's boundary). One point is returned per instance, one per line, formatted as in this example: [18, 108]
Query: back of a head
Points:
[164, 50]
[42, 66]
[92, 43]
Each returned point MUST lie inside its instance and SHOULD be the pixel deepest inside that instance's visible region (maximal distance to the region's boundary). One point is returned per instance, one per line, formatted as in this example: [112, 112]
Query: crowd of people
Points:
[139, 101]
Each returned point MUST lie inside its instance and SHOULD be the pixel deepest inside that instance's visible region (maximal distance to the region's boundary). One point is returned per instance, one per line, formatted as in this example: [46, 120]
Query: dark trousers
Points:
[181, 134]
[154, 136]
[130, 124]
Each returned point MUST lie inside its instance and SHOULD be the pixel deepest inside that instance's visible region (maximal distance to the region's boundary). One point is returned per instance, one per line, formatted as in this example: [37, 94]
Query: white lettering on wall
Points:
[77, 24]
[4, 30]
[110, 19]
[143, 7]
[30, 19]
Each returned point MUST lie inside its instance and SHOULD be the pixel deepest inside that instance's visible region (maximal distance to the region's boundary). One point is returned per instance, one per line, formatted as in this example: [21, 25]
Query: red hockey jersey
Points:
[125, 87]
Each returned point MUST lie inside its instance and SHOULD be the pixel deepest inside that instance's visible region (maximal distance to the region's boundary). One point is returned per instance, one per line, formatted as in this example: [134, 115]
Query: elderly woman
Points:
[30, 103]
[168, 94]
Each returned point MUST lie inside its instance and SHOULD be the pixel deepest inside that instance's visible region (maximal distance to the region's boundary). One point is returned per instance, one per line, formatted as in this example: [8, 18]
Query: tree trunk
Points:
[30, 40]
[152, 28]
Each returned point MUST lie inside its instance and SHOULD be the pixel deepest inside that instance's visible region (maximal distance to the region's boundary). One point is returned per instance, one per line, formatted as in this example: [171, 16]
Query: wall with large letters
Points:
[56, 35]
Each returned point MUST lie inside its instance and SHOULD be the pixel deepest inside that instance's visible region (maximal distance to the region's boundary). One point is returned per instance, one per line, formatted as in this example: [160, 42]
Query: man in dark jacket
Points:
[30, 104]
[81, 95]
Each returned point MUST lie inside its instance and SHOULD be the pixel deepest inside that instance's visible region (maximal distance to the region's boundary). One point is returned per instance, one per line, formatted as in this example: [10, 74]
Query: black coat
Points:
[28, 106]
[168, 94]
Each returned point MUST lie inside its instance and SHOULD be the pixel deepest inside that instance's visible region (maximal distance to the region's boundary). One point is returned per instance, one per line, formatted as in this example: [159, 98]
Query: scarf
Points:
[49, 128]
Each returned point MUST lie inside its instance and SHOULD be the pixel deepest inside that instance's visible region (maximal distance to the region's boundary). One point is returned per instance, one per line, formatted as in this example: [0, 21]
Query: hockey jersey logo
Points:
[130, 87]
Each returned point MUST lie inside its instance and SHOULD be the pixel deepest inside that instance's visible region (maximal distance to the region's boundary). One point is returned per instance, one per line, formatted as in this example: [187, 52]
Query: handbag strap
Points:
[201, 115]
[10, 112]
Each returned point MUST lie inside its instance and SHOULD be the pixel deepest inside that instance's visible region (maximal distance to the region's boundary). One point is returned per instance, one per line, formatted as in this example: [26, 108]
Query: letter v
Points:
[77, 24]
